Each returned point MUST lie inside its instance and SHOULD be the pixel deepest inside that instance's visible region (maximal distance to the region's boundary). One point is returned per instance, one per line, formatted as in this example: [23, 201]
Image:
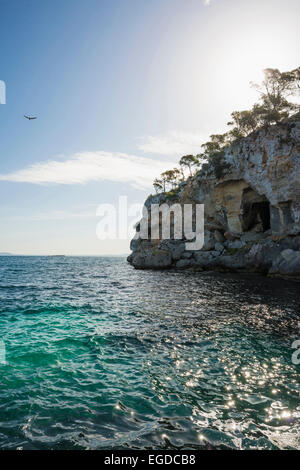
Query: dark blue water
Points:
[101, 356]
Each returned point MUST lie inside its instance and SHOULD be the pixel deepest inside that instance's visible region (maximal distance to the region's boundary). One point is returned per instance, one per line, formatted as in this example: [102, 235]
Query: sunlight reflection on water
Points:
[100, 355]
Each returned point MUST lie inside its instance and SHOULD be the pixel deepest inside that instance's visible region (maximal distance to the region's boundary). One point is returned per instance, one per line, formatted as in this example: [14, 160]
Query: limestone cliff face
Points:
[251, 195]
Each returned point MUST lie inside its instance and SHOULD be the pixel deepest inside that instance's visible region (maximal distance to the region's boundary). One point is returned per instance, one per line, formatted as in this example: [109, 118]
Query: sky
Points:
[121, 90]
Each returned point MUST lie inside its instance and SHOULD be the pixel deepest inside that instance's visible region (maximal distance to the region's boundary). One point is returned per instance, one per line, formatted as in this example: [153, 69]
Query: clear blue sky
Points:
[150, 79]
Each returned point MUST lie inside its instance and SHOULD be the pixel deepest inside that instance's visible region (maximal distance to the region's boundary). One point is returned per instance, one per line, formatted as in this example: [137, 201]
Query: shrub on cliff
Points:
[272, 108]
[219, 164]
[188, 161]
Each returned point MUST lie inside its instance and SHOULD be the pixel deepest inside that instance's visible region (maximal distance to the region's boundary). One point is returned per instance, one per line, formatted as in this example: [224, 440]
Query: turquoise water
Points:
[101, 356]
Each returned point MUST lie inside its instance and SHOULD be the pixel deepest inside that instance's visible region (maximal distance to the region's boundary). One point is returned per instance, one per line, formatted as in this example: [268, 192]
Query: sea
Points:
[97, 355]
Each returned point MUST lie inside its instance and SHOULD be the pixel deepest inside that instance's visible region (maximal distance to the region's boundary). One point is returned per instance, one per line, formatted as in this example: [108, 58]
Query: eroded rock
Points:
[287, 263]
[252, 210]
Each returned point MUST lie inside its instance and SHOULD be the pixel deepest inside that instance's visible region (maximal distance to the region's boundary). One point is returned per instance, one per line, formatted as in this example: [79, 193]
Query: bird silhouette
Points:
[29, 117]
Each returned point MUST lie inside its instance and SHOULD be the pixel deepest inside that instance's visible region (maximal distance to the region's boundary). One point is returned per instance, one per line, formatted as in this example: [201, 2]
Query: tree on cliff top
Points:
[244, 122]
[158, 185]
[169, 177]
[274, 92]
[188, 161]
[273, 107]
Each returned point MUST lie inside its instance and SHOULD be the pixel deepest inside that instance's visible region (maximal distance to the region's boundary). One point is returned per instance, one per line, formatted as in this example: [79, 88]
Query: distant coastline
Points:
[123, 255]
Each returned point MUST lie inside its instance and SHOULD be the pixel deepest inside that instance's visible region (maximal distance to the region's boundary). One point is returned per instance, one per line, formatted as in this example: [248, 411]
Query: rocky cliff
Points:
[251, 197]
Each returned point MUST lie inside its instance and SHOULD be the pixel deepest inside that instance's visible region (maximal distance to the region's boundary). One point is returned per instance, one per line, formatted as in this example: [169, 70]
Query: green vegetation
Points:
[173, 194]
[233, 251]
[188, 161]
[218, 164]
[273, 107]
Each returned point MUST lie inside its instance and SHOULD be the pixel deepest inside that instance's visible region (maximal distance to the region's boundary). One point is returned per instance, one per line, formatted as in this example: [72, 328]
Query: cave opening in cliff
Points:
[255, 212]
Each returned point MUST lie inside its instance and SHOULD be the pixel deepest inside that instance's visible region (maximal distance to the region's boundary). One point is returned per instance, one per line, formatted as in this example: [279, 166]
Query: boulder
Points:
[236, 244]
[205, 258]
[287, 263]
[251, 237]
[231, 263]
[231, 235]
[219, 236]
[209, 241]
[185, 263]
[219, 247]
[149, 257]
[175, 247]
[261, 256]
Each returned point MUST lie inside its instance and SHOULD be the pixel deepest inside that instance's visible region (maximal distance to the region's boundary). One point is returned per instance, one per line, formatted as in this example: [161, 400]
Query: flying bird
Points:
[30, 117]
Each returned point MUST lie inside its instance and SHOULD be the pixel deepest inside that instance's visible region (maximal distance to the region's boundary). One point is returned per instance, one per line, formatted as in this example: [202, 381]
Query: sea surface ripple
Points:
[101, 356]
